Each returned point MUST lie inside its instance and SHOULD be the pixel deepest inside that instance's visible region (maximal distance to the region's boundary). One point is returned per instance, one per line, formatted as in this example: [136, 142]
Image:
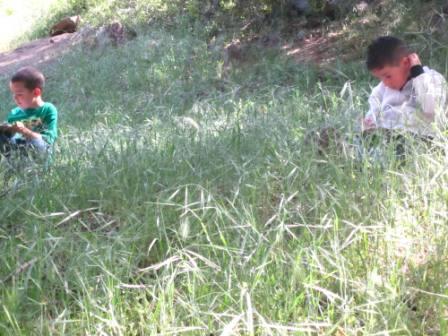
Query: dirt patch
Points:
[50, 49]
[315, 48]
[37, 52]
[330, 42]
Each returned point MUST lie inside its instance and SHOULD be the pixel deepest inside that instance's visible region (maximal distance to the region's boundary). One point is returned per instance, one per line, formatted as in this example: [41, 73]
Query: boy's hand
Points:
[20, 127]
[368, 123]
[414, 60]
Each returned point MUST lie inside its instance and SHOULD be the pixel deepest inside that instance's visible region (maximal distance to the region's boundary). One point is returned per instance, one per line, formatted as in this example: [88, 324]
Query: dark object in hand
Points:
[6, 130]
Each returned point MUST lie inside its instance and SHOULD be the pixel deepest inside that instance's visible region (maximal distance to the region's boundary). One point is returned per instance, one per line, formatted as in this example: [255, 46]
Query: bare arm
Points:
[19, 127]
[369, 122]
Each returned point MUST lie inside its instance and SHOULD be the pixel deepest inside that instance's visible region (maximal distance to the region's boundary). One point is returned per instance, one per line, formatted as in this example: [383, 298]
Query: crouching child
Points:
[32, 127]
[410, 99]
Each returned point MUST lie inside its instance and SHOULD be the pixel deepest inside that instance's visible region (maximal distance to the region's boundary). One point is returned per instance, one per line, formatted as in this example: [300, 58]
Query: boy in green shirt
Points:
[33, 124]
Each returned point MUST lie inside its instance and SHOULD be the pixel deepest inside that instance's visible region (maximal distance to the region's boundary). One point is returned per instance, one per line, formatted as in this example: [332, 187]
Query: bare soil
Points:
[313, 48]
[41, 51]
[316, 49]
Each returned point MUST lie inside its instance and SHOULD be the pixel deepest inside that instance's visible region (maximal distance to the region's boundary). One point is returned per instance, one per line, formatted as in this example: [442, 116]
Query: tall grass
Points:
[181, 201]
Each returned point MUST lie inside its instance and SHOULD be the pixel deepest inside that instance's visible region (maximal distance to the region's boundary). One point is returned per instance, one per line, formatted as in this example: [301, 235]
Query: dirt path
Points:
[313, 48]
[37, 52]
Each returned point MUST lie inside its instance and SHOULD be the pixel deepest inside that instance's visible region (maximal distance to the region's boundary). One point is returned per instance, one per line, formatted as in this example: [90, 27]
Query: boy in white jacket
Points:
[410, 98]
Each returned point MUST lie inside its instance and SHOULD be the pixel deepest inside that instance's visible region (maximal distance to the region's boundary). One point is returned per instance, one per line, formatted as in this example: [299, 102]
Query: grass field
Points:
[181, 201]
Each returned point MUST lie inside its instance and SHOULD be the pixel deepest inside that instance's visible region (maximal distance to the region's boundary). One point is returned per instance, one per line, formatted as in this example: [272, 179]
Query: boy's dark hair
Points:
[385, 50]
[30, 77]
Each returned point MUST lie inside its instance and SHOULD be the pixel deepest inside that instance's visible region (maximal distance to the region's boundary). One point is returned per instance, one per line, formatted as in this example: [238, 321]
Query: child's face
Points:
[24, 98]
[394, 76]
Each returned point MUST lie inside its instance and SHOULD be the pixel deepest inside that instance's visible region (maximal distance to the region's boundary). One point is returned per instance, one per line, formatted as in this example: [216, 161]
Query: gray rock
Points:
[300, 6]
[113, 34]
[361, 7]
[300, 36]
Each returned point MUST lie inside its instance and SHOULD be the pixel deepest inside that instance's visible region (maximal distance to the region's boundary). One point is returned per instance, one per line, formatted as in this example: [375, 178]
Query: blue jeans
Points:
[24, 147]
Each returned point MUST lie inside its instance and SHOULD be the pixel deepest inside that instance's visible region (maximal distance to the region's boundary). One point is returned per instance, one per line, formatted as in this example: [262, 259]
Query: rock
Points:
[270, 40]
[332, 9]
[361, 7]
[300, 36]
[302, 6]
[437, 21]
[335, 9]
[298, 7]
[114, 34]
[313, 21]
[66, 25]
[213, 7]
[216, 43]
[326, 9]
[233, 52]
[445, 9]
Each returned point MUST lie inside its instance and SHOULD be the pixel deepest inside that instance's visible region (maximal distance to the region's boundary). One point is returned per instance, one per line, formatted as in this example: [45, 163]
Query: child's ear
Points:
[406, 61]
[37, 92]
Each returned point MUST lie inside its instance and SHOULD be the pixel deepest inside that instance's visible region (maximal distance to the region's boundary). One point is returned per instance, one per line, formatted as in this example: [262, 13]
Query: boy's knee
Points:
[39, 145]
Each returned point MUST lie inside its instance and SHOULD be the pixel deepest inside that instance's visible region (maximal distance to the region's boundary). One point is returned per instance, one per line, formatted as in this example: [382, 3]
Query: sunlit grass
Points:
[182, 201]
[17, 17]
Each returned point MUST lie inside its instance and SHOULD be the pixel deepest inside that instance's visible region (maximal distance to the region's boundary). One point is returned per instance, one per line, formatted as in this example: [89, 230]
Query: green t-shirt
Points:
[43, 120]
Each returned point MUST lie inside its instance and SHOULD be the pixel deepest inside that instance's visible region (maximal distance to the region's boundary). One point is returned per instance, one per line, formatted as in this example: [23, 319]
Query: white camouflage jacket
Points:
[419, 107]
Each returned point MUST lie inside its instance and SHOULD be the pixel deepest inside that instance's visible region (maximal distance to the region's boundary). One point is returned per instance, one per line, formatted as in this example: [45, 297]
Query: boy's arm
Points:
[50, 133]
[429, 87]
[430, 93]
[16, 126]
[19, 127]
[370, 119]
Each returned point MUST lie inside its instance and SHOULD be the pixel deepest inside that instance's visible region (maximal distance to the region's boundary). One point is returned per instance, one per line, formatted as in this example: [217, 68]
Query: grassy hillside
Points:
[183, 201]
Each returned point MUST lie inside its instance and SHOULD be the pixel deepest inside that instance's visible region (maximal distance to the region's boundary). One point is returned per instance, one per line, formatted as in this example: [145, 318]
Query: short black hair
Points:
[30, 77]
[385, 50]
